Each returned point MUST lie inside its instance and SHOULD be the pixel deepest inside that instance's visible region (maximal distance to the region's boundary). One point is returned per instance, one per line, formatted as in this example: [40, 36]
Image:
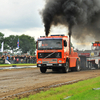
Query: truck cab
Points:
[53, 52]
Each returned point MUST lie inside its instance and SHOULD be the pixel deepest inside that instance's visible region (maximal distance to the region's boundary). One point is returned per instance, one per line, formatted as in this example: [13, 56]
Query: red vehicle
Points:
[54, 52]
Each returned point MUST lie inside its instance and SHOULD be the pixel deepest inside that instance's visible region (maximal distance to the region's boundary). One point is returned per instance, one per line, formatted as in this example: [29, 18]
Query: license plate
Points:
[49, 64]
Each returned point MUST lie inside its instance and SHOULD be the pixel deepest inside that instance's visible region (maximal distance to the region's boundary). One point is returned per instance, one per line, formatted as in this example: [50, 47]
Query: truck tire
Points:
[77, 68]
[43, 69]
[66, 67]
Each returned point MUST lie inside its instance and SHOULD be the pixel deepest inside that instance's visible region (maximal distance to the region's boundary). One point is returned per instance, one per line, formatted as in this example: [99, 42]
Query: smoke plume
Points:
[81, 16]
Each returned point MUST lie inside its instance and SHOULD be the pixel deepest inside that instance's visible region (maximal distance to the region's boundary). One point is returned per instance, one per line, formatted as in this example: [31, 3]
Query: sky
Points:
[19, 17]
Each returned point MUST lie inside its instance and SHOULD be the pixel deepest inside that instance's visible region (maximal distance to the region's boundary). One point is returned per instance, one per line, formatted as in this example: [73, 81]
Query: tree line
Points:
[26, 43]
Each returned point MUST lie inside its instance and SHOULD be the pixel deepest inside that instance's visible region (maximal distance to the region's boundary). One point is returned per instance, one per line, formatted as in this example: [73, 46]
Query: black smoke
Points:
[81, 16]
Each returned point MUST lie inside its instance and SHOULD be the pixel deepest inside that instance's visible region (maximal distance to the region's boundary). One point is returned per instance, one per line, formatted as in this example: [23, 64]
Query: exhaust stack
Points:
[70, 40]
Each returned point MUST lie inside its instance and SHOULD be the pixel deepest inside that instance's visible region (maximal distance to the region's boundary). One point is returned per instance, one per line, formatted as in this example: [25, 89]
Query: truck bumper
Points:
[50, 65]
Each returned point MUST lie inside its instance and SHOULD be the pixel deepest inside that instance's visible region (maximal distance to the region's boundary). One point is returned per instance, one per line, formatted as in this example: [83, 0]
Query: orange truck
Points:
[54, 52]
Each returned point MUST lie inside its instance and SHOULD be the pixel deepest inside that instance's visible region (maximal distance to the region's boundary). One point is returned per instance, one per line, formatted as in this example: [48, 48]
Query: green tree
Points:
[27, 44]
[11, 42]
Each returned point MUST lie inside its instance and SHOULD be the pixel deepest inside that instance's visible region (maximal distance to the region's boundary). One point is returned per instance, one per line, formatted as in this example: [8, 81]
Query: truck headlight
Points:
[39, 61]
[60, 61]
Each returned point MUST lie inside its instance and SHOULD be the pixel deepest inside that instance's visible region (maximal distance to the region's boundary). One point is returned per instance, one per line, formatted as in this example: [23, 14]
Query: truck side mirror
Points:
[65, 43]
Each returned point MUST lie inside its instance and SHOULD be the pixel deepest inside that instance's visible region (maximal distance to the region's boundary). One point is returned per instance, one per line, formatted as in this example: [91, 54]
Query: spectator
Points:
[7, 58]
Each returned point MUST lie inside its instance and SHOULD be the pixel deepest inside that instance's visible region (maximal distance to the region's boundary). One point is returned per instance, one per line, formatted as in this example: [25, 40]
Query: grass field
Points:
[86, 95]
[8, 65]
[82, 90]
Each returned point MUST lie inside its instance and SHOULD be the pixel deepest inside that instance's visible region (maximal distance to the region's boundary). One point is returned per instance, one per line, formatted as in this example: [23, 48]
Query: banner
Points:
[18, 44]
[7, 62]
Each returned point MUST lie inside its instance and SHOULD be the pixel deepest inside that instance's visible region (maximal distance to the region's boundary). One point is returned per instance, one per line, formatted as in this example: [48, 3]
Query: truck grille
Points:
[50, 55]
[45, 61]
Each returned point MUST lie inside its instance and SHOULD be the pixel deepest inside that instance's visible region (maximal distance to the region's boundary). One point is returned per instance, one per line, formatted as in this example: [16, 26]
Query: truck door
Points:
[72, 59]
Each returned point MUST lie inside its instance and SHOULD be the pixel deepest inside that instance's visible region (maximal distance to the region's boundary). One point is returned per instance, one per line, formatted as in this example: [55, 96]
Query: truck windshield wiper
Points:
[41, 49]
[57, 48]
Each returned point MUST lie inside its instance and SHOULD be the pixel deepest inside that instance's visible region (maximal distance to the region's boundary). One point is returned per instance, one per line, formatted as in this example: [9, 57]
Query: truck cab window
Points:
[65, 43]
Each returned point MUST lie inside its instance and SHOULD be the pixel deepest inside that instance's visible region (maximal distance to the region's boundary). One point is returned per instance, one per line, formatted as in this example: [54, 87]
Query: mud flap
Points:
[83, 62]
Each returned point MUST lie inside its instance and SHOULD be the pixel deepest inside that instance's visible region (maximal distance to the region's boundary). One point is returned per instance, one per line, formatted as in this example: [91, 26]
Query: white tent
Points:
[2, 47]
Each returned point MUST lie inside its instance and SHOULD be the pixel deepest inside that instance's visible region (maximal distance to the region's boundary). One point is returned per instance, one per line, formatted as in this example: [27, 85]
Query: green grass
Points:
[78, 91]
[87, 95]
[7, 65]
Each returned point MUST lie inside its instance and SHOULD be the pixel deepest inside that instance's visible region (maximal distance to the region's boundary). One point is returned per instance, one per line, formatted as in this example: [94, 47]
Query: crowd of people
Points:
[18, 58]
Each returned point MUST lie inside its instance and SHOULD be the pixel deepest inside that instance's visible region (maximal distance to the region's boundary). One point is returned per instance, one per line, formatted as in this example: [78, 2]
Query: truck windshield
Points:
[49, 44]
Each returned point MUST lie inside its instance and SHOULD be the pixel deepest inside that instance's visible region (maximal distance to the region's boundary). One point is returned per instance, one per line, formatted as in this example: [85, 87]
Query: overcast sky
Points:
[19, 17]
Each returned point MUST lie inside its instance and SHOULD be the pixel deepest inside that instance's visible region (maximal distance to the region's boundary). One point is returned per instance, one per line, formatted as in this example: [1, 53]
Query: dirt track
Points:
[19, 80]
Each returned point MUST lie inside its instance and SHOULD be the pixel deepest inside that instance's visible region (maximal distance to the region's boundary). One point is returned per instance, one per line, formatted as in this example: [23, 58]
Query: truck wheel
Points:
[77, 68]
[66, 68]
[43, 69]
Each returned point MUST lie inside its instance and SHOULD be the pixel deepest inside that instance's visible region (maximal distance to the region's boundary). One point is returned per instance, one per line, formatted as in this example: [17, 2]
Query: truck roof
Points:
[52, 36]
